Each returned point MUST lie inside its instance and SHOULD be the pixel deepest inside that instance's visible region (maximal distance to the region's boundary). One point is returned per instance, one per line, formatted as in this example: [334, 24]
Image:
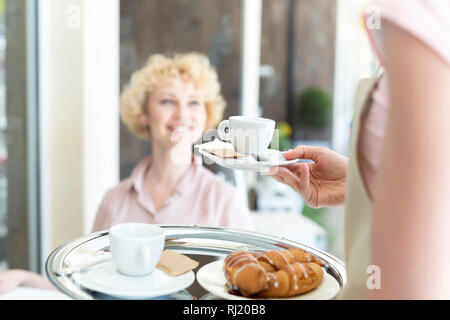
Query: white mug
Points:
[136, 247]
[249, 135]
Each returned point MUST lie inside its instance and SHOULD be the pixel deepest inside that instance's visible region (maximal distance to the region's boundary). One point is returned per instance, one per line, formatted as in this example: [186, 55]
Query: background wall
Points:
[63, 125]
[79, 91]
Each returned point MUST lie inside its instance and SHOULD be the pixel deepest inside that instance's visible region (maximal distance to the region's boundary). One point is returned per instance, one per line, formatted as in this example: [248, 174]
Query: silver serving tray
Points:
[203, 244]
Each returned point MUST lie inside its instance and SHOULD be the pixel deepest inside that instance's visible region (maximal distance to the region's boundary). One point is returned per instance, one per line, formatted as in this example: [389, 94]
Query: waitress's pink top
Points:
[428, 21]
[201, 198]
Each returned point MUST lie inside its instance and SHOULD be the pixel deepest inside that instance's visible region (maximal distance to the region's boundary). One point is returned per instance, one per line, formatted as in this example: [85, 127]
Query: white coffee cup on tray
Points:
[249, 135]
[136, 247]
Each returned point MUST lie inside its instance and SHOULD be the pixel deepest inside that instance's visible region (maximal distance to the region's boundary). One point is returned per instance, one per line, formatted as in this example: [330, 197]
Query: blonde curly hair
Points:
[193, 67]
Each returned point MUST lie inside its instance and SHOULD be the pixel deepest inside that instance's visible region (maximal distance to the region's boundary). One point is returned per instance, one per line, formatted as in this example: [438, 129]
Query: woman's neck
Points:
[168, 166]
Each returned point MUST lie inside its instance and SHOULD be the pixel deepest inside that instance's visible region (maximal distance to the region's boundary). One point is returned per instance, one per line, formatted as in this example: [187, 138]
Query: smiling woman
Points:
[170, 102]
[193, 69]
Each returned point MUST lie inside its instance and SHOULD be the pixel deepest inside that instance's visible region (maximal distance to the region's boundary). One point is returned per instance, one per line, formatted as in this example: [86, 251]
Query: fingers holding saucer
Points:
[290, 178]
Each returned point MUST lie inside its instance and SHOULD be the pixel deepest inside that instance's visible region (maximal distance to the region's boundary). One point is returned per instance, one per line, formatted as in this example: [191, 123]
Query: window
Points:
[3, 149]
[18, 138]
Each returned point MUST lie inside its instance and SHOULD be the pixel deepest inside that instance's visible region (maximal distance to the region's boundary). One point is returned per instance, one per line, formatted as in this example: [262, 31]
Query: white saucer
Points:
[106, 279]
[249, 163]
[212, 279]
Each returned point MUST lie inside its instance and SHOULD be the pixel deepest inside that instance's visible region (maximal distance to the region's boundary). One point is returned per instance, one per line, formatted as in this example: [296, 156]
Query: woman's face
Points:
[176, 113]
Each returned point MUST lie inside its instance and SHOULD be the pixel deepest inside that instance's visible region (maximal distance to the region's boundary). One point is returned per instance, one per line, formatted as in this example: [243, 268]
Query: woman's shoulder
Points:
[424, 19]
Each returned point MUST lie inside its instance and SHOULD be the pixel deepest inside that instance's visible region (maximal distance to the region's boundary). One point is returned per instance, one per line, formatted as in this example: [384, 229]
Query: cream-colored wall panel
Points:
[79, 92]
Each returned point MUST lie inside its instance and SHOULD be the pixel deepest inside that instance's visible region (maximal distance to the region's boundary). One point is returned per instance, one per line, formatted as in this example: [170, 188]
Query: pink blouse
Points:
[201, 198]
[429, 21]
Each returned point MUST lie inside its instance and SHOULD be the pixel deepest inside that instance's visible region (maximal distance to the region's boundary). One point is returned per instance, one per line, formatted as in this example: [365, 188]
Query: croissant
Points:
[277, 273]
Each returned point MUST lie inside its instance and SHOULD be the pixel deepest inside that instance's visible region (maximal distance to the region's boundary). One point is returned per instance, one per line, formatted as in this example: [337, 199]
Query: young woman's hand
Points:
[321, 183]
[11, 279]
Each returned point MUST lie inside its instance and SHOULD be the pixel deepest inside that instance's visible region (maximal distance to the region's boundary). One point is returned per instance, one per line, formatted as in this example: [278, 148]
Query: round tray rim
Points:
[335, 266]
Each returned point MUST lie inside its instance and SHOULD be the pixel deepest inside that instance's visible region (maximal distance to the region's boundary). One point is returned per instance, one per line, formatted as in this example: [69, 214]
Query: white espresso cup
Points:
[249, 135]
[136, 247]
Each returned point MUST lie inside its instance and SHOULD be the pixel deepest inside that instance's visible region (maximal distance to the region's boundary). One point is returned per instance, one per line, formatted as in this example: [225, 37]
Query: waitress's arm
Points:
[411, 218]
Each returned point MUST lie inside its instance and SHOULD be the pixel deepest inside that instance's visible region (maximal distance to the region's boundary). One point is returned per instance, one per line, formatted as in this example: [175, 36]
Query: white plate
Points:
[212, 279]
[249, 163]
[106, 279]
